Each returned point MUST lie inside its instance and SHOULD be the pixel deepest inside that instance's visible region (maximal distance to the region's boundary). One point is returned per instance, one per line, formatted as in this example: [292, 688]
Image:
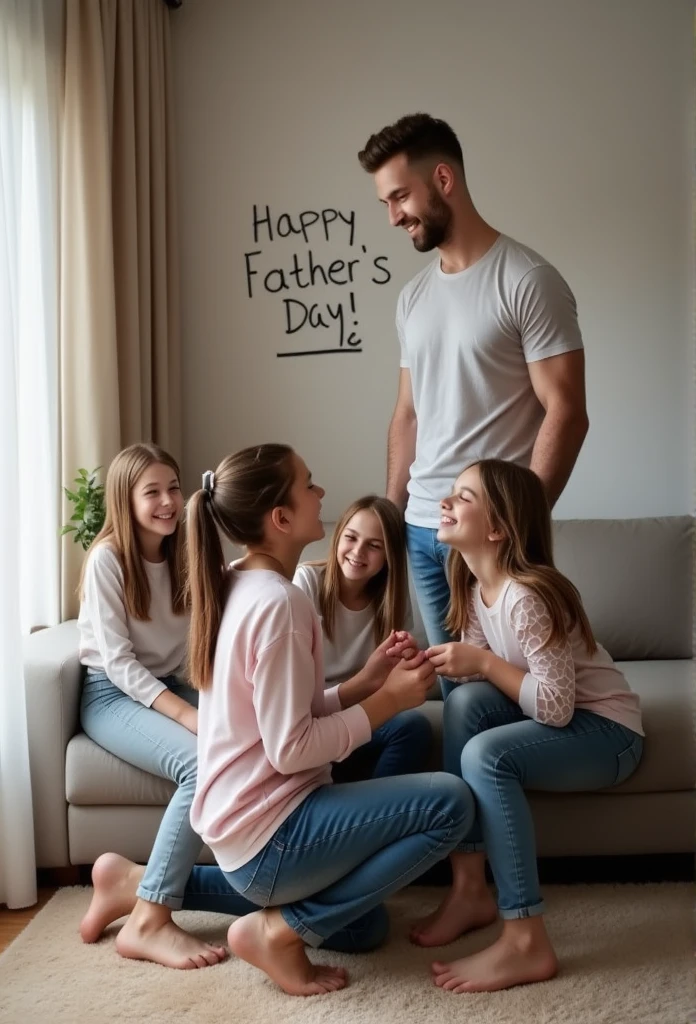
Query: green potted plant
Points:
[88, 500]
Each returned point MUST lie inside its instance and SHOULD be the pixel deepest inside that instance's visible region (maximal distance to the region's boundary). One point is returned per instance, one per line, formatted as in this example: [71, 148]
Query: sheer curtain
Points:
[29, 447]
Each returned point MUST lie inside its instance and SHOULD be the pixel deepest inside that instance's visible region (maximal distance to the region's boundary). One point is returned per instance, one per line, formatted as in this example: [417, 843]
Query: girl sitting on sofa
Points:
[133, 628]
[360, 593]
[554, 713]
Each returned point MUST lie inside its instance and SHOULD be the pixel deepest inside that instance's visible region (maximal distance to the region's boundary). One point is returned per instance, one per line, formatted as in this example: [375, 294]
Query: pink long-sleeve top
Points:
[267, 729]
[559, 677]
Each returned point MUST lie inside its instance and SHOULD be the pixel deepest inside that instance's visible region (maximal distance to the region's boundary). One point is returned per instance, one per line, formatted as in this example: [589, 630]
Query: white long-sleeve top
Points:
[558, 678]
[354, 631]
[267, 729]
[133, 654]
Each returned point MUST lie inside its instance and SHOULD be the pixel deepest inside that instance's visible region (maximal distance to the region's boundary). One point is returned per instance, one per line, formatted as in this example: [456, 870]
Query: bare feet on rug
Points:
[523, 954]
[265, 940]
[462, 910]
[115, 882]
[150, 934]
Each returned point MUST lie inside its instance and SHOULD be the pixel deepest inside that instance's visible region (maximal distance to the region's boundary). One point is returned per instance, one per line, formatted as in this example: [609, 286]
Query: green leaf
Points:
[89, 508]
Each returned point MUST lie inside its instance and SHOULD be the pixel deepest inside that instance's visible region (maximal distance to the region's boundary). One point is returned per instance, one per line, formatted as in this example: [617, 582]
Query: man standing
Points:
[492, 363]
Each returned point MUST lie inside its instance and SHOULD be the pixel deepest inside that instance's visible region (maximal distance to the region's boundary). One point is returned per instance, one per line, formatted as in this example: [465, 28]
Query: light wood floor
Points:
[12, 922]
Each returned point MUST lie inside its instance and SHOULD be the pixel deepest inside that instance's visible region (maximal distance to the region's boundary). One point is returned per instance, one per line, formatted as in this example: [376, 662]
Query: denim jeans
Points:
[428, 559]
[340, 854]
[500, 752]
[149, 740]
[399, 747]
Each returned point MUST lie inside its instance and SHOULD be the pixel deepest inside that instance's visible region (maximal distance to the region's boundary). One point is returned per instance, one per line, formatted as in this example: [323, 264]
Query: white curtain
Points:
[29, 413]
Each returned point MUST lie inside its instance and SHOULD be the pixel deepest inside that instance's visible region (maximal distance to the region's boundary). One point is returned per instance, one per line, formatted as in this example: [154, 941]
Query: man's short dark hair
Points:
[418, 136]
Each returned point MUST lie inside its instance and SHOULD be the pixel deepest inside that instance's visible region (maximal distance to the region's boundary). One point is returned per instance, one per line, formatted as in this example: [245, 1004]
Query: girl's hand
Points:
[398, 645]
[455, 660]
[405, 646]
[408, 684]
[189, 719]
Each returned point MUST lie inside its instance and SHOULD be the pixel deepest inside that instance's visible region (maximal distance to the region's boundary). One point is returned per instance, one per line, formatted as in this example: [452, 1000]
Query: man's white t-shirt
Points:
[466, 339]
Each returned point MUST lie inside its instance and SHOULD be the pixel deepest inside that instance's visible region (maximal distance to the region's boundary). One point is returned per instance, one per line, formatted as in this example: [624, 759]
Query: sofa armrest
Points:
[53, 677]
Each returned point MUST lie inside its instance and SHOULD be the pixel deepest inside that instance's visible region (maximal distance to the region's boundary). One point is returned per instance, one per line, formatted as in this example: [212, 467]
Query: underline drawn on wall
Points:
[305, 269]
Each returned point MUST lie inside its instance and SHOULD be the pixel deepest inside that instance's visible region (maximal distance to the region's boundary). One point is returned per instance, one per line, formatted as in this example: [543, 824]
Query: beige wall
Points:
[576, 122]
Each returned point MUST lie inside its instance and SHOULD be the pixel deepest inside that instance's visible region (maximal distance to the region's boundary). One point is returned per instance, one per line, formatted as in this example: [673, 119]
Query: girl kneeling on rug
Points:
[553, 714]
[360, 593]
[319, 858]
[133, 627]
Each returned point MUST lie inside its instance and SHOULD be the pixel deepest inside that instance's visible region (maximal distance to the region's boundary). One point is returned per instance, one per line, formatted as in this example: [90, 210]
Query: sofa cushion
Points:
[666, 696]
[94, 777]
[635, 579]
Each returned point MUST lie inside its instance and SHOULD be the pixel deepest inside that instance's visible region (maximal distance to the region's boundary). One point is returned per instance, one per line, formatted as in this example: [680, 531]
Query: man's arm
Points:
[401, 442]
[559, 384]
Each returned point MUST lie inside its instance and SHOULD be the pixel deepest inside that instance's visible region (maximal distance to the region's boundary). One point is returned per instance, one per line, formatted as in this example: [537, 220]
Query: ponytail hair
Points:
[233, 500]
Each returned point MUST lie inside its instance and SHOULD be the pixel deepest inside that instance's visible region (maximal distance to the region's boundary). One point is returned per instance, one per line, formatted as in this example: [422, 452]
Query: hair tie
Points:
[208, 482]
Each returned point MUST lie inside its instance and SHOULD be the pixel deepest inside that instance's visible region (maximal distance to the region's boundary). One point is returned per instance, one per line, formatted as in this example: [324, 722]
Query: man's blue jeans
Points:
[340, 854]
[428, 559]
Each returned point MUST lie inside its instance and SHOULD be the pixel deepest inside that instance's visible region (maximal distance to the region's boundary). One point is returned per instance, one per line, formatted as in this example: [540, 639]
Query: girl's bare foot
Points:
[461, 911]
[521, 955]
[150, 934]
[265, 940]
[115, 881]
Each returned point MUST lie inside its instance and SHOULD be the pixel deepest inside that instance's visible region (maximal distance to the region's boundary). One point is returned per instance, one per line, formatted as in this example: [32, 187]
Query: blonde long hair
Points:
[245, 486]
[388, 590]
[514, 502]
[120, 533]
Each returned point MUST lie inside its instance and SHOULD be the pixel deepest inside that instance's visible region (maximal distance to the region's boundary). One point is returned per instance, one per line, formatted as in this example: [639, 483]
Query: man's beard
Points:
[435, 224]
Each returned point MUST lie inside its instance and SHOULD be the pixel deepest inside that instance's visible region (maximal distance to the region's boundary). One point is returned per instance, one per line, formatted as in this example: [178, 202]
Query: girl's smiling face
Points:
[157, 501]
[360, 553]
[463, 521]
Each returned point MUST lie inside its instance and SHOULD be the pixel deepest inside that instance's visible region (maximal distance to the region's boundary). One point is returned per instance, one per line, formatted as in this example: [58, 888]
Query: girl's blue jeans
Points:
[149, 740]
[488, 741]
[399, 747]
[340, 854]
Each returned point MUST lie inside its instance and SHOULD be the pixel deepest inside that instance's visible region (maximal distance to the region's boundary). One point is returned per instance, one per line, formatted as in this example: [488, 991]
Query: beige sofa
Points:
[636, 580]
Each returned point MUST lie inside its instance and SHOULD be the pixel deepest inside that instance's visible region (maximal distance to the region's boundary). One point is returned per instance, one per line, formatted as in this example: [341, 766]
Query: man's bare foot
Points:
[115, 881]
[461, 911]
[512, 960]
[265, 940]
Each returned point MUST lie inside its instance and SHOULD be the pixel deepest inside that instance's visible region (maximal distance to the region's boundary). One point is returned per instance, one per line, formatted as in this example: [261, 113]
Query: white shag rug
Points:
[626, 952]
